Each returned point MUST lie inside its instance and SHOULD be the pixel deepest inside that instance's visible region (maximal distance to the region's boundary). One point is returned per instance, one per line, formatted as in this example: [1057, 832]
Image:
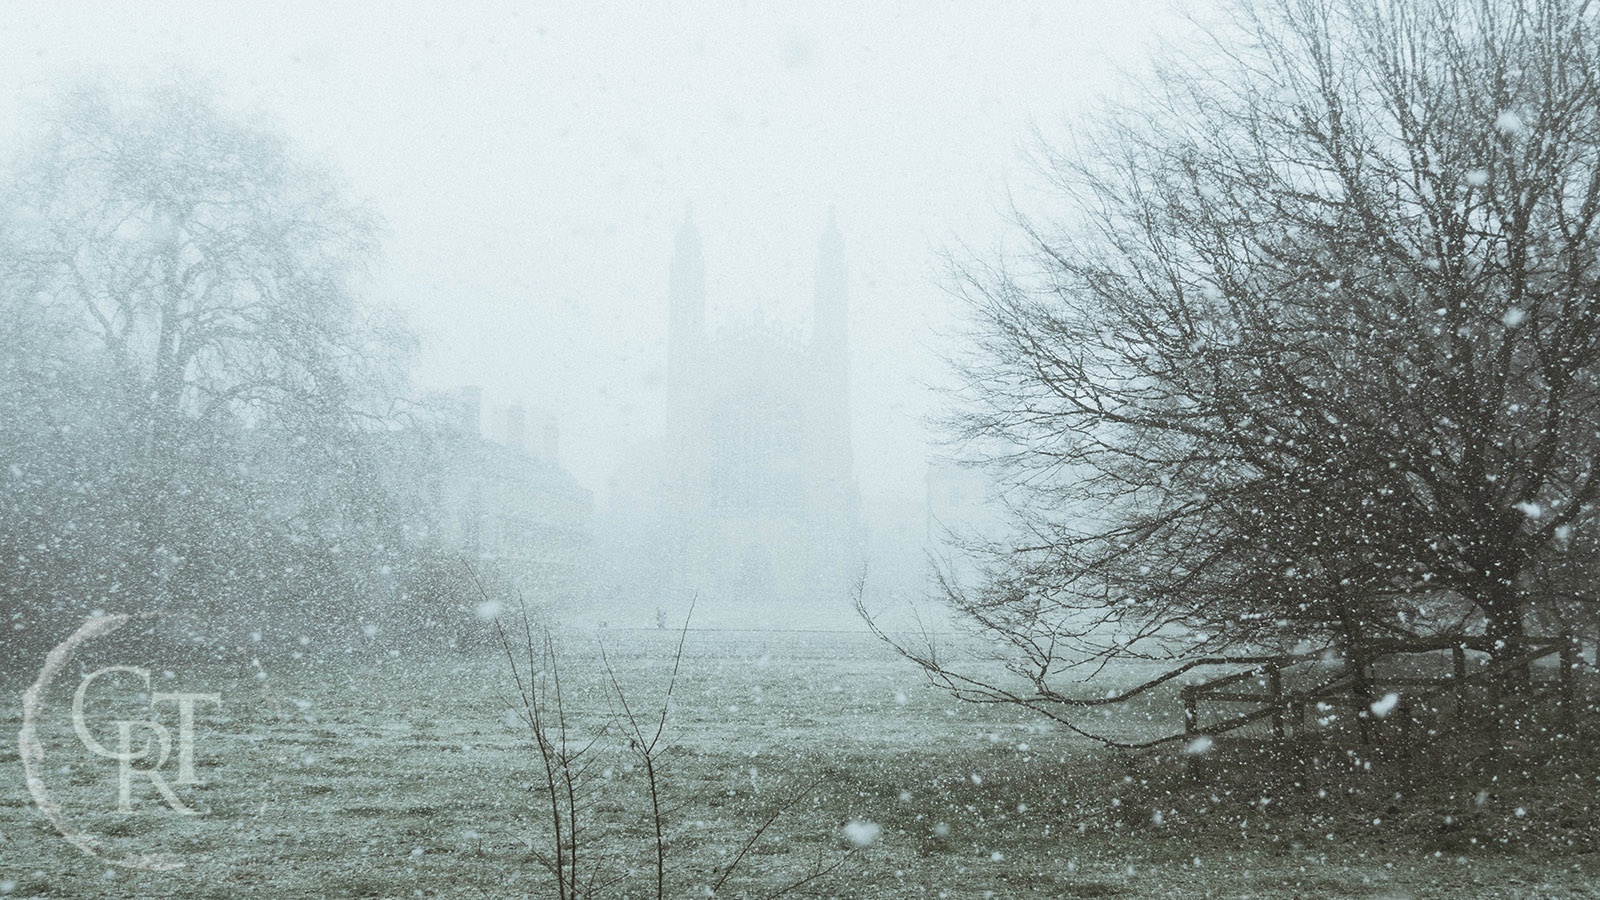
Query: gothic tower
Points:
[753, 494]
[686, 477]
[686, 320]
[834, 502]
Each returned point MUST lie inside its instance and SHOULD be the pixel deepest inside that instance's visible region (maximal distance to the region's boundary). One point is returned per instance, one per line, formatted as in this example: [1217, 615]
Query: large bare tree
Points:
[188, 365]
[1311, 356]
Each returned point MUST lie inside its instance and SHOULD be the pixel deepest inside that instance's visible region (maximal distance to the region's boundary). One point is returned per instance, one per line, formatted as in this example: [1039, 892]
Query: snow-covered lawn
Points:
[379, 775]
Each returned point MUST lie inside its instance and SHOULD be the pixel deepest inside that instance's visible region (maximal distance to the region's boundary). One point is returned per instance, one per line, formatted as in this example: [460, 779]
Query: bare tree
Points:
[187, 353]
[579, 853]
[1313, 355]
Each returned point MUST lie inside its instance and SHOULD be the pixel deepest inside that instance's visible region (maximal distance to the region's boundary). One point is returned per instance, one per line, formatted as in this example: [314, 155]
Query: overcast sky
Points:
[534, 159]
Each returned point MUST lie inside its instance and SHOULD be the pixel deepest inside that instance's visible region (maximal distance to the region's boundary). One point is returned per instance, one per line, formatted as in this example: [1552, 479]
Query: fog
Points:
[733, 449]
[533, 162]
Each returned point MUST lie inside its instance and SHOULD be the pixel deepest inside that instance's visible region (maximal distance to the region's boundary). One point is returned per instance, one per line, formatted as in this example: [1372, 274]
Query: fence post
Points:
[1496, 672]
[1275, 689]
[1191, 720]
[1569, 677]
[1458, 678]
[1405, 740]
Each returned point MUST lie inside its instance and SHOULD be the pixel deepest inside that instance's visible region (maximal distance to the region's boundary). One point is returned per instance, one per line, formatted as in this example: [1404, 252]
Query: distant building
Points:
[897, 547]
[503, 501]
[960, 498]
[964, 505]
[750, 492]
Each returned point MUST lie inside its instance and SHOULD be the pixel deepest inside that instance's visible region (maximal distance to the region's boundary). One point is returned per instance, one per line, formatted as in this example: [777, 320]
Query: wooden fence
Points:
[1356, 685]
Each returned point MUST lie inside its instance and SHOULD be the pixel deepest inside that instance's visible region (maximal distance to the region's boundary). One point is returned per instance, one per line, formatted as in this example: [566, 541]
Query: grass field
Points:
[380, 775]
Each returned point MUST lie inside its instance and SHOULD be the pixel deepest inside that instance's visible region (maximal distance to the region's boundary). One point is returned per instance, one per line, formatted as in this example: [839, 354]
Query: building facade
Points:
[750, 494]
[497, 497]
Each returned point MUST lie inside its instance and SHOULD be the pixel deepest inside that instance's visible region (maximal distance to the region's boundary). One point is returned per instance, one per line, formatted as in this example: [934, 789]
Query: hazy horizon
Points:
[533, 164]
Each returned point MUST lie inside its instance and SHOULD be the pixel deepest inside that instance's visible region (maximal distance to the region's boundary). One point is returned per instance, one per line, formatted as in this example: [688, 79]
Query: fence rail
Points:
[1355, 685]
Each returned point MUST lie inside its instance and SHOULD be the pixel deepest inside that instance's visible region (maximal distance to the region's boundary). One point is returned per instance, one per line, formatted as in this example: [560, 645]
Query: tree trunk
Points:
[1355, 651]
[1504, 629]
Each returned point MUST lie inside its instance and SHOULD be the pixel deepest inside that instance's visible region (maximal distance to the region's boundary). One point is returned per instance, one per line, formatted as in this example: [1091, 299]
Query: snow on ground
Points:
[401, 776]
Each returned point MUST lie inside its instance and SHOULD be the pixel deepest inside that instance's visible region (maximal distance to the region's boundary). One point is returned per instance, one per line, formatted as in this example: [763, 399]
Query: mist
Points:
[1071, 448]
[532, 165]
